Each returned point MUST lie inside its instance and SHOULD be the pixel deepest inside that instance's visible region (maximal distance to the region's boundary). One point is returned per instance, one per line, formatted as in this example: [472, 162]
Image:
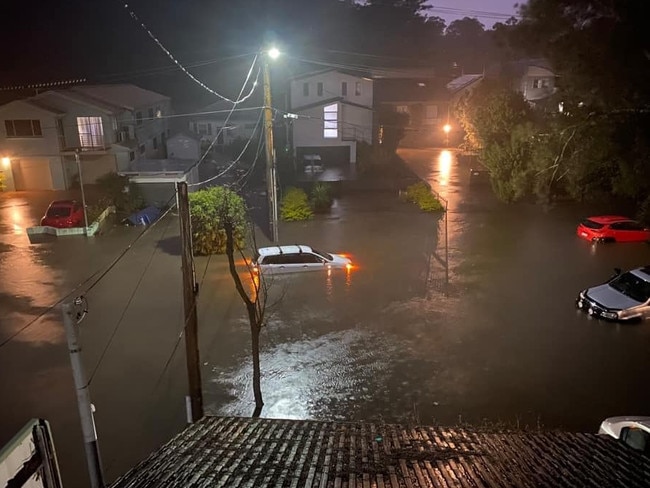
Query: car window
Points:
[636, 438]
[591, 224]
[308, 257]
[58, 212]
[632, 286]
[323, 254]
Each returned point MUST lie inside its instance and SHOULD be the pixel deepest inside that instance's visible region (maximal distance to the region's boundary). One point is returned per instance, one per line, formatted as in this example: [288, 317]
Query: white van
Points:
[290, 259]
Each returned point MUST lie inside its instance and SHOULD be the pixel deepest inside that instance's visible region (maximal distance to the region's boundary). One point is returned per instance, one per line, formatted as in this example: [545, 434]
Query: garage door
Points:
[330, 155]
[32, 174]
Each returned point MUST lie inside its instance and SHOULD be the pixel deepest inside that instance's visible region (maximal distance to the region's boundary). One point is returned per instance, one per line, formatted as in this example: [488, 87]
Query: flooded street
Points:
[389, 340]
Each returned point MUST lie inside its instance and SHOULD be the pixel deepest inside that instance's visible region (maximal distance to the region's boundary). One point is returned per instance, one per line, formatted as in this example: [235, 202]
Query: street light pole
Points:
[81, 184]
[271, 185]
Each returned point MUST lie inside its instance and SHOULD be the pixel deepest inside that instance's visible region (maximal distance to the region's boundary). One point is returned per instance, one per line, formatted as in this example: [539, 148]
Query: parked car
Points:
[612, 228]
[632, 431]
[64, 214]
[312, 163]
[625, 297]
[289, 259]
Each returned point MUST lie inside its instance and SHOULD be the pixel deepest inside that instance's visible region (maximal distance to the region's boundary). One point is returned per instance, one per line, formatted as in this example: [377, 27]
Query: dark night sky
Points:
[45, 40]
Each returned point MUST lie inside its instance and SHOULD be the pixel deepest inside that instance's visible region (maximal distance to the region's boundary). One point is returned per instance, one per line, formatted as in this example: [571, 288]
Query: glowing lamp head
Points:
[6, 162]
[447, 128]
[273, 53]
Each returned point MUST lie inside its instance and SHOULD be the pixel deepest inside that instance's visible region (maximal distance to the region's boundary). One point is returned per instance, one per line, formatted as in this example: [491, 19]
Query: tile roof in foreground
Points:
[237, 452]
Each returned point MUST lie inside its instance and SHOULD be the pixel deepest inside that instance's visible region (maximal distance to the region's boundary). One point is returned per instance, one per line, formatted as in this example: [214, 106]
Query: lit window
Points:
[91, 131]
[331, 121]
[357, 88]
[402, 109]
[23, 128]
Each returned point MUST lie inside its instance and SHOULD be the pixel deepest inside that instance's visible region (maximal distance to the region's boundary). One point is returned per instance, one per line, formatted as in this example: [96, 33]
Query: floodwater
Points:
[391, 340]
[501, 343]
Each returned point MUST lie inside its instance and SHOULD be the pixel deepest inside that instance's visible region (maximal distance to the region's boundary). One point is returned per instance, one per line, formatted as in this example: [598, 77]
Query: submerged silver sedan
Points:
[625, 297]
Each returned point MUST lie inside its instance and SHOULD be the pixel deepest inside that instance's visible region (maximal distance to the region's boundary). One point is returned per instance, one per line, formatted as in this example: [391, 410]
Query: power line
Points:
[128, 304]
[171, 56]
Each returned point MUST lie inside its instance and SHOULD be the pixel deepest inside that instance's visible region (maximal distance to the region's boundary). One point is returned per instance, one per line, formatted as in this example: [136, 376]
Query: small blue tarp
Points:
[145, 216]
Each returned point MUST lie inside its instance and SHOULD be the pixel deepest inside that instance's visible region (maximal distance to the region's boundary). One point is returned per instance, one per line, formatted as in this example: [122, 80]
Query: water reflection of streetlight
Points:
[444, 166]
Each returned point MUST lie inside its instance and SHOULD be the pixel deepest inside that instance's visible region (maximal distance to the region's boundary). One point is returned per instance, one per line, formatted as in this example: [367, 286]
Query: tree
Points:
[209, 210]
[392, 124]
[218, 218]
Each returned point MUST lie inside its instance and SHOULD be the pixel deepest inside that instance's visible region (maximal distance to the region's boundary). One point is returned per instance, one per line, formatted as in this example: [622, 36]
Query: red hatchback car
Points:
[612, 228]
[64, 214]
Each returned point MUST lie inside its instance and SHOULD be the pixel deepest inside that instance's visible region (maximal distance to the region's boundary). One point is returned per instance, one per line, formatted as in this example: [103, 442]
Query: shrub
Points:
[421, 195]
[94, 211]
[321, 197]
[125, 196]
[2, 181]
[209, 209]
[295, 205]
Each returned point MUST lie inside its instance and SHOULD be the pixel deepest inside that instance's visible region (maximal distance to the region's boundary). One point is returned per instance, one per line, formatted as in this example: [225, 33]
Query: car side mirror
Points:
[617, 271]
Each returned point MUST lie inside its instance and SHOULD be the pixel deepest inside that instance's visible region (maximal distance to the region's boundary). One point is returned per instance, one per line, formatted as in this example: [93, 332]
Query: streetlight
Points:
[271, 185]
[447, 129]
[6, 162]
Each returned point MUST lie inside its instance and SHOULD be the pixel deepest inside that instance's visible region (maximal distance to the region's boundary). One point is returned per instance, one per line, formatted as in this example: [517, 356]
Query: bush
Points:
[421, 195]
[2, 181]
[295, 206]
[94, 211]
[208, 210]
[126, 197]
[321, 197]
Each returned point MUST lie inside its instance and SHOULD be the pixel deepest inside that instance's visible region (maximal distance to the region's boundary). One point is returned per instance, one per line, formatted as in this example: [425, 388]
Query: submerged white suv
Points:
[633, 431]
[289, 259]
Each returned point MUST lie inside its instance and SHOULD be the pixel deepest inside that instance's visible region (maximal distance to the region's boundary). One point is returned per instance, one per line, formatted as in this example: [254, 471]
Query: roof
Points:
[34, 103]
[463, 81]
[122, 95]
[237, 452]
[159, 166]
[410, 90]
[273, 250]
[185, 134]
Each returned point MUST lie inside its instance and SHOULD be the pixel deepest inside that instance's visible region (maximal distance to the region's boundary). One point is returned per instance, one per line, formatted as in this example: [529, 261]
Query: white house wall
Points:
[356, 119]
[183, 147]
[332, 82]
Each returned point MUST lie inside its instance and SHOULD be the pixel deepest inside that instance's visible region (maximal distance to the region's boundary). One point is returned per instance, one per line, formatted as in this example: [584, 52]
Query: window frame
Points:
[92, 135]
[331, 125]
[34, 126]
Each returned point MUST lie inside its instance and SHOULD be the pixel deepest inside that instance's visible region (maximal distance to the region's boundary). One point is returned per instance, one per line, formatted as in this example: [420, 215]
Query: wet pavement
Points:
[388, 341]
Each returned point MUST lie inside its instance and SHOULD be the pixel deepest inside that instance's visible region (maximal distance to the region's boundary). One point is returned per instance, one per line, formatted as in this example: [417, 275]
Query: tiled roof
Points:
[235, 452]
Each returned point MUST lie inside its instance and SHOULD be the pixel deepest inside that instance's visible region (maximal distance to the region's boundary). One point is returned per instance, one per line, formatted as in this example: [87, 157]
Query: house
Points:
[534, 78]
[334, 112]
[217, 121]
[108, 125]
[237, 452]
[184, 145]
[425, 100]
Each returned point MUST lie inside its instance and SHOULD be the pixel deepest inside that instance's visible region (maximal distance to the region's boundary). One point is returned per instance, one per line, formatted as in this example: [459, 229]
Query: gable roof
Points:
[238, 452]
[123, 95]
[462, 82]
[33, 103]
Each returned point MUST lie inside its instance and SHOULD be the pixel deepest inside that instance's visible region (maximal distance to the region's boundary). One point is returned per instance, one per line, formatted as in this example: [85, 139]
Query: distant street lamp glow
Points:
[6, 162]
[274, 53]
[447, 128]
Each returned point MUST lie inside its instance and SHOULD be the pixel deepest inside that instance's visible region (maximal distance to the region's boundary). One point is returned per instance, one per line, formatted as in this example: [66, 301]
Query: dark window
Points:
[163, 137]
[632, 286]
[131, 155]
[344, 88]
[23, 128]
[305, 89]
[209, 129]
[590, 224]
[636, 438]
[151, 113]
[327, 256]
[142, 148]
[319, 89]
[155, 143]
[59, 211]
[138, 118]
[311, 258]
[626, 226]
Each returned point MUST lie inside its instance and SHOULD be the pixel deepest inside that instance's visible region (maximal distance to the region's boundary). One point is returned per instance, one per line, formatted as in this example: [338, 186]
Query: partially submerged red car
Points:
[612, 228]
[64, 214]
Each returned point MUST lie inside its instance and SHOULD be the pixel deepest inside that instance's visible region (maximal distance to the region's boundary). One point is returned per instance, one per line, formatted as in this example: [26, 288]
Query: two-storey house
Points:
[109, 126]
[334, 112]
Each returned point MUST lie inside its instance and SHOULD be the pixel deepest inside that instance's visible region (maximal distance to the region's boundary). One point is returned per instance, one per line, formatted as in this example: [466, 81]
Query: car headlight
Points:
[582, 294]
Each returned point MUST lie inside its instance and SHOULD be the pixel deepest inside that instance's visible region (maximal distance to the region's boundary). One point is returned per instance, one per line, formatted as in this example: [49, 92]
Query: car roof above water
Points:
[608, 219]
[273, 250]
[643, 273]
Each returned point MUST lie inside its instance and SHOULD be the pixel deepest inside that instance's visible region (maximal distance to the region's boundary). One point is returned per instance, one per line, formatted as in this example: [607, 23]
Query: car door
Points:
[311, 262]
[627, 231]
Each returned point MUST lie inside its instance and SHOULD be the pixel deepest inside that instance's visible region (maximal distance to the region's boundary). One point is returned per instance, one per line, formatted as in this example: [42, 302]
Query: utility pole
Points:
[81, 184]
[195, 402]
[271, 186]
[83, 398]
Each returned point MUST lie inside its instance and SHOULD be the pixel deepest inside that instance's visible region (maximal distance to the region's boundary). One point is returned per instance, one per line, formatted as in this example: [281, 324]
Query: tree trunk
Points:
[253, 318]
